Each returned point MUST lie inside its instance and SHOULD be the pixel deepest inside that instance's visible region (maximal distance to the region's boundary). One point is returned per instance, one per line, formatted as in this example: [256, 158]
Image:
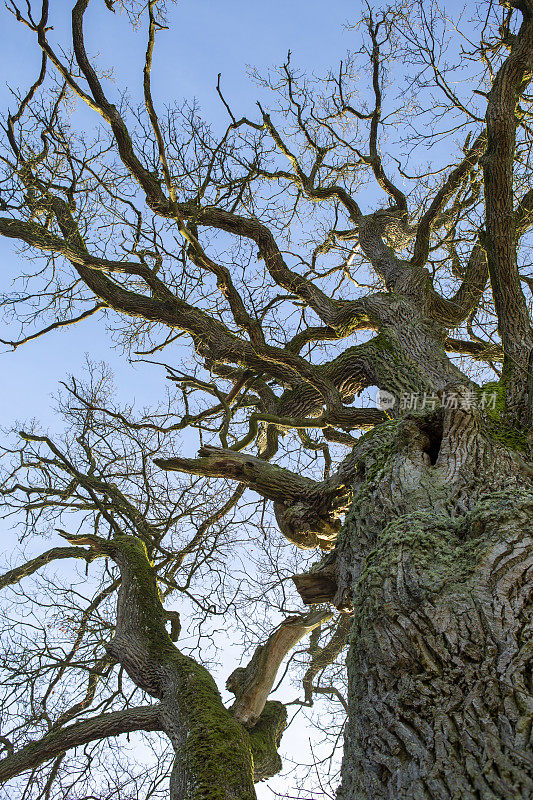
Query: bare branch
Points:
[32, 755]
[252, 684]
[56, 553]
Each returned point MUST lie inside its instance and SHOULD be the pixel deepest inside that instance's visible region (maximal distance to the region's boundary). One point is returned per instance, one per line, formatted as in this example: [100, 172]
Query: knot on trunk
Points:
[306, 526]
[328, 581]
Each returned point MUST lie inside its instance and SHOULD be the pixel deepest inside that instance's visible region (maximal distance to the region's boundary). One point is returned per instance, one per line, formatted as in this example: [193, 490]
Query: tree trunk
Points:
[216, 758]
[435, 553]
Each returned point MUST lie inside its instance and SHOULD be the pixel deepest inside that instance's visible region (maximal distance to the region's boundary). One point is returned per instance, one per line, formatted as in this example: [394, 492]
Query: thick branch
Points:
[269, 480]
[483, 351]
[15, 575]
[372, 230]
[32, 755]
[251, 685]
[212, 748]
[513, 319]
[307, 511]
[320, 584]
[148, 182]
[375, 158]
[452, 183]
[453, 311]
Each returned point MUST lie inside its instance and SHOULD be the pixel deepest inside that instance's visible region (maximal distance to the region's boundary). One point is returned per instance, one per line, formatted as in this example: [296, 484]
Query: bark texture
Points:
[437, 558]
[215, 756]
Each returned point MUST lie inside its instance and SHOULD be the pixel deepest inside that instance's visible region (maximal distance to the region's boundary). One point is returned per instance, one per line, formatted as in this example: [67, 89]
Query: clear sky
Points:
[206, 37]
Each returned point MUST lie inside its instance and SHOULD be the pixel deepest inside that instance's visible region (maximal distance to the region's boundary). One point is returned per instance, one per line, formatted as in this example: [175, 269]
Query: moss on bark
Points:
[216, 757]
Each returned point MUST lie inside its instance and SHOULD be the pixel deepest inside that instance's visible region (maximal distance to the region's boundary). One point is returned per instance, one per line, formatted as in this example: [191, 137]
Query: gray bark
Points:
[436, 557]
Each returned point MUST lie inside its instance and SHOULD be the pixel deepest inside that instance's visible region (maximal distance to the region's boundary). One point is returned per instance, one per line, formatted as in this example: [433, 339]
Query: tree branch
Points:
[55, 325]
[211, 747]
[321, 657]
[16, 574]
[498, 164]
[483, 351]
[252, 684]
[452, 183]
[306, 510]
[32, 755]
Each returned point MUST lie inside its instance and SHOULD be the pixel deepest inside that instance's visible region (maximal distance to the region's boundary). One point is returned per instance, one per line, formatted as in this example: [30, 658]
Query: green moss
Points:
[217, 749]
[493, 402]
[496, 389]
[441, 551]
[514, 438]
[382, 342]
[265, 738]
[388, 346]
[380, 435]
[375, 449]
[426, 537]
[152, 617]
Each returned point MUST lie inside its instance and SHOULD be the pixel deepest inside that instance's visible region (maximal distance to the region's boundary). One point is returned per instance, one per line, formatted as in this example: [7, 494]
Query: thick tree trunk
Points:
[437, 553]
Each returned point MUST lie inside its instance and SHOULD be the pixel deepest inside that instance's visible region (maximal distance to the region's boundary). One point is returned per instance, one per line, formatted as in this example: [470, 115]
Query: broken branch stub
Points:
[252, 684]
[307, 512]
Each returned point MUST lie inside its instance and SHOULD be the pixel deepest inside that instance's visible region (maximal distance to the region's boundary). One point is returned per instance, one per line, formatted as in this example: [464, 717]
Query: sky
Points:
[206, 37]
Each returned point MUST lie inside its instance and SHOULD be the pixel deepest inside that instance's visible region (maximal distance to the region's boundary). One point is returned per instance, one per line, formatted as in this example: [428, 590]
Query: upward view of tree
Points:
[366, 230]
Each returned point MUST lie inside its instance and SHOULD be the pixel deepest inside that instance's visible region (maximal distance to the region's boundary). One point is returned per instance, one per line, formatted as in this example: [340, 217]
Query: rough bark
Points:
[514, 322]
[435, 553]
[436, 557]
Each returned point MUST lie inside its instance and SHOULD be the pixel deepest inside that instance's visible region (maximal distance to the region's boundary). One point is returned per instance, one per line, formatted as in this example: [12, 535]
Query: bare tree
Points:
[267, 247]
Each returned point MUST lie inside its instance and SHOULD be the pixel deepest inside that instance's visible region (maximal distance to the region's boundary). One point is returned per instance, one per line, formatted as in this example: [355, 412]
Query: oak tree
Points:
[306, 256]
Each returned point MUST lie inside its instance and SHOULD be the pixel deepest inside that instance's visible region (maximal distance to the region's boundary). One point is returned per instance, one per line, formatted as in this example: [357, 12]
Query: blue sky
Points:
[206, 37]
